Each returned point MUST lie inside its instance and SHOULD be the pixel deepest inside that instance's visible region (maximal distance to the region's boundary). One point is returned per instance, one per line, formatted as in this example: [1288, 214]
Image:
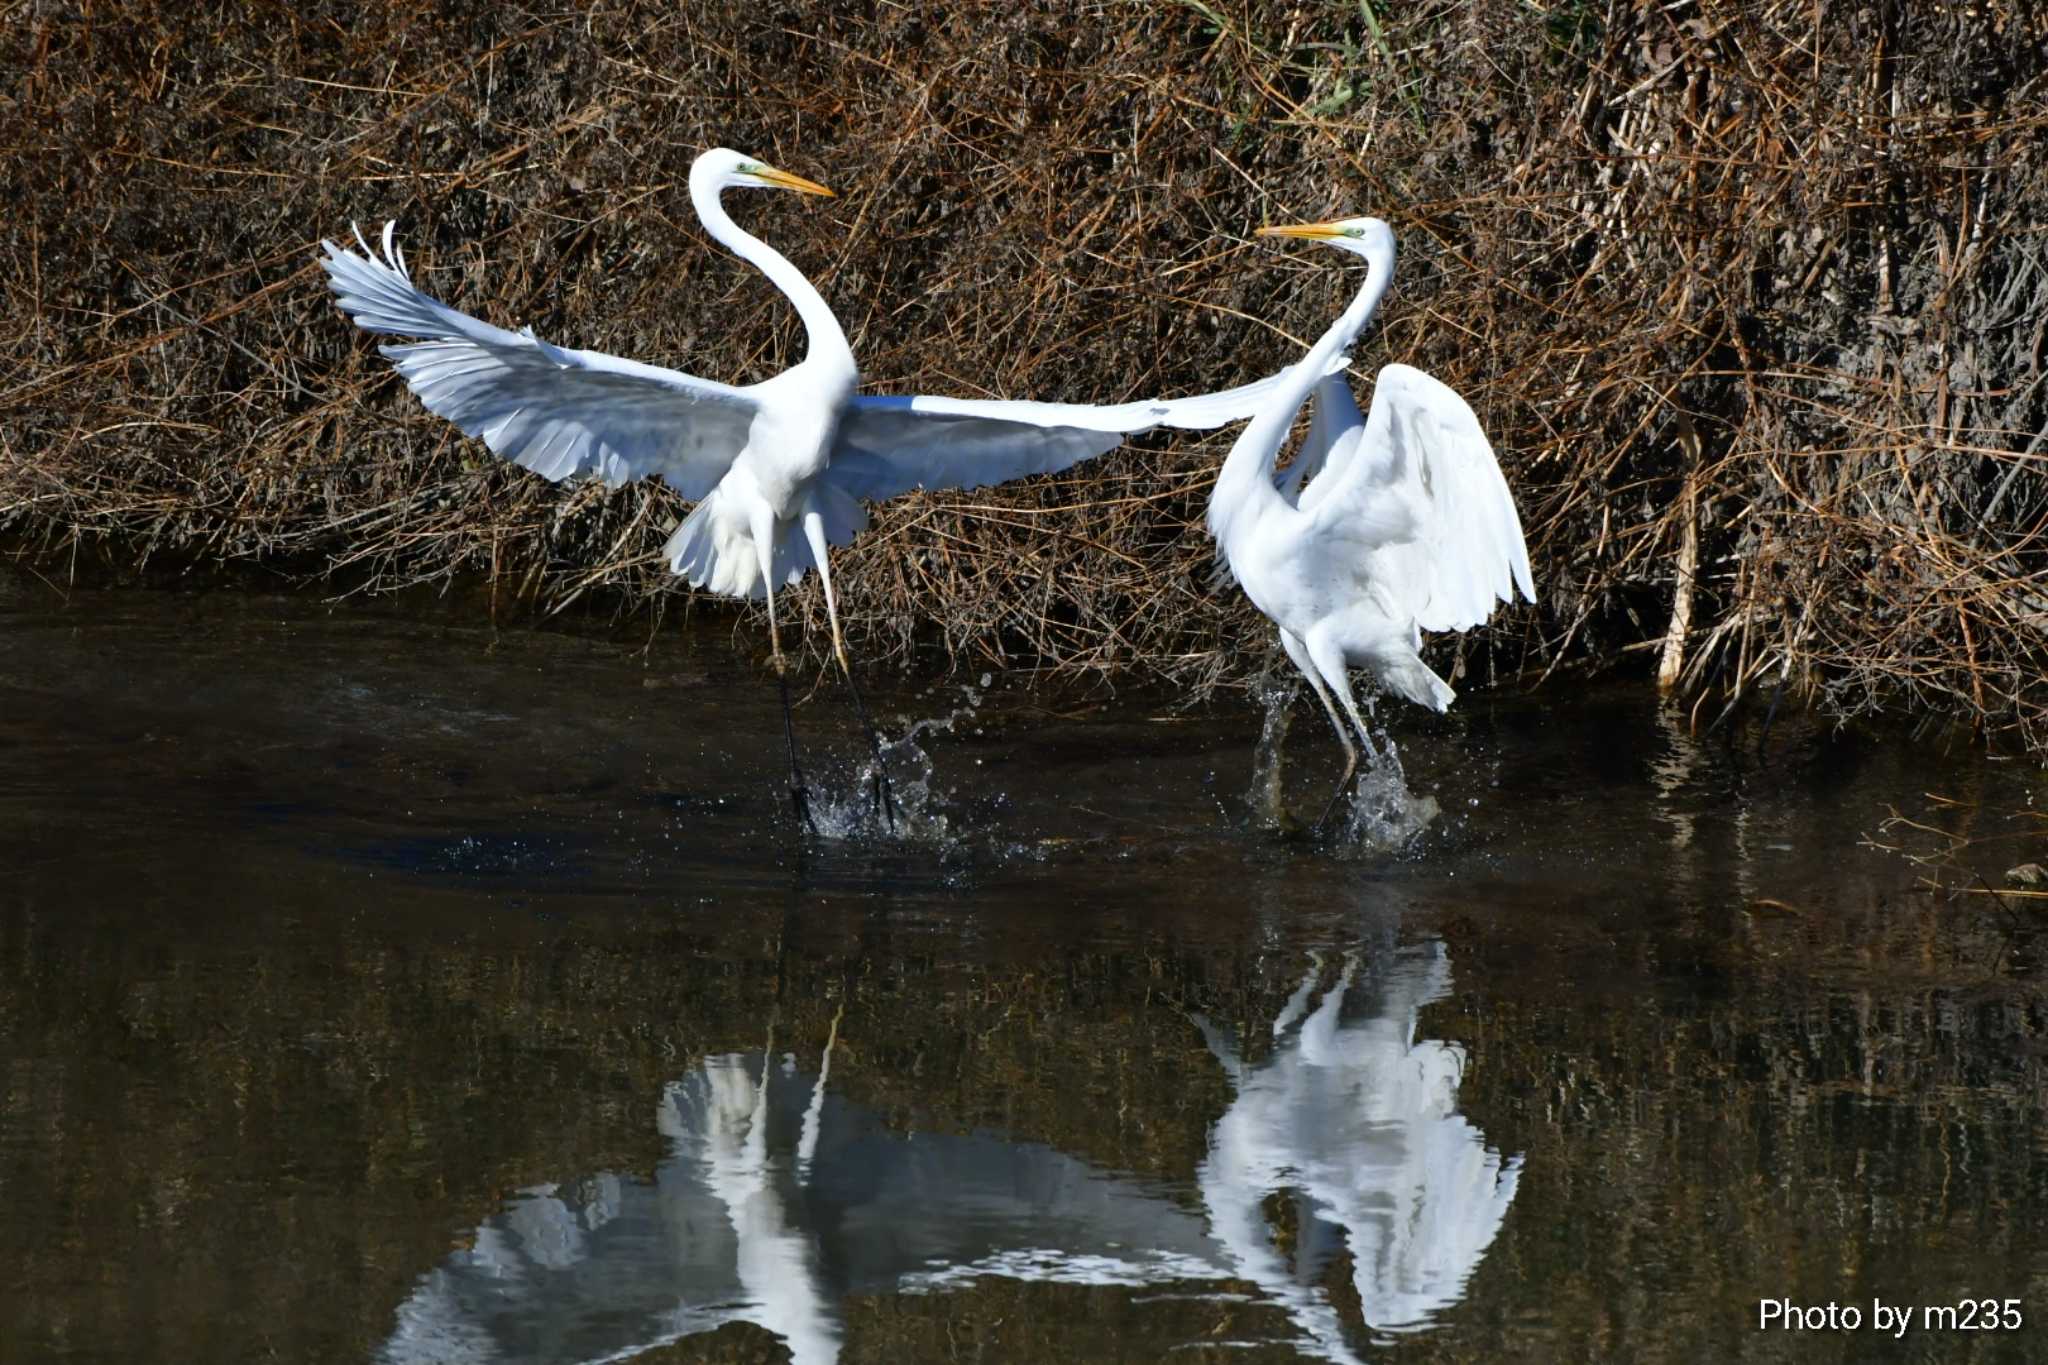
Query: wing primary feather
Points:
[561, 412]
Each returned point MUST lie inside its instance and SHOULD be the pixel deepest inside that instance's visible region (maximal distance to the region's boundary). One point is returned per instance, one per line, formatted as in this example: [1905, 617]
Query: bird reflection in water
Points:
[778, 1199]
[1356, 1120]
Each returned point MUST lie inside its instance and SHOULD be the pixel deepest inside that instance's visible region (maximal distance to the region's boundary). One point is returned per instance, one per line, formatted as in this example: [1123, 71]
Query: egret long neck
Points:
[821, 328]
[1244, 486]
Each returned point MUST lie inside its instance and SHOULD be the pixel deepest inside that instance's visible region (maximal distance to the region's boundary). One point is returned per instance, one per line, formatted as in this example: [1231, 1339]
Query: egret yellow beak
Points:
[783, 180]
[1318, 231]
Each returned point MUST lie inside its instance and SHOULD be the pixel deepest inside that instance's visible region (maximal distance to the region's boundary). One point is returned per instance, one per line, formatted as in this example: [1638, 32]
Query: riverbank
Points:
[1750, 303]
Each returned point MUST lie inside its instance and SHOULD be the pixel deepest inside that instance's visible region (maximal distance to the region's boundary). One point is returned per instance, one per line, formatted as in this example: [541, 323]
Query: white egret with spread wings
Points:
[777, 469]
[1404, 524]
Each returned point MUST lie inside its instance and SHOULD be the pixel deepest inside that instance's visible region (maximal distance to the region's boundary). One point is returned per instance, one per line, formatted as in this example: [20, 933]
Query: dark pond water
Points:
[376, 986]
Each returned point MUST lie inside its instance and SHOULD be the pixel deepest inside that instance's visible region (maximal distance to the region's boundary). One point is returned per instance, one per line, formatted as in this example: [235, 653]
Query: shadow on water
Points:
[375, 986]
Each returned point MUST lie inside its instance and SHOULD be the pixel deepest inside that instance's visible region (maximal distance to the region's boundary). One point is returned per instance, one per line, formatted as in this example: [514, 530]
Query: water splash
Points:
[1382, 816]
[1385, 815]
[1275, 696]
[843, 804]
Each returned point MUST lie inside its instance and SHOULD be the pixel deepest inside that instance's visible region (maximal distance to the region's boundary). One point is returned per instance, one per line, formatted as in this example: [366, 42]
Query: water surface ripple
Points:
[378, 986]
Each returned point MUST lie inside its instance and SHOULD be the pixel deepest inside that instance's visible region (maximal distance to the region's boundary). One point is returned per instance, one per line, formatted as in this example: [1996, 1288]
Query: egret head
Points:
[721, 168]
[1365, 236]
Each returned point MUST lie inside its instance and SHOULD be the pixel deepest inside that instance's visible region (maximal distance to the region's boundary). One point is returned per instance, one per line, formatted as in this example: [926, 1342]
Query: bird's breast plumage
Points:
[790, 441]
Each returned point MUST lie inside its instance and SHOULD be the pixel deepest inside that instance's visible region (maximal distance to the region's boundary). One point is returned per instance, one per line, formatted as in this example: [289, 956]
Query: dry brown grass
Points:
[1771, 280]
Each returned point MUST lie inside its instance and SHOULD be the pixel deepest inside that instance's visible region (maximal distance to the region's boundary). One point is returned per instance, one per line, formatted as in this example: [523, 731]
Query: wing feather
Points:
[557, 411]
[1422, 444]
[890, 444]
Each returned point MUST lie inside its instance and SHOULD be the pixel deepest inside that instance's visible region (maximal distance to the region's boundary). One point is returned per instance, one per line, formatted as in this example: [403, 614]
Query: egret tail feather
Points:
[1413, 679]
[714, 547]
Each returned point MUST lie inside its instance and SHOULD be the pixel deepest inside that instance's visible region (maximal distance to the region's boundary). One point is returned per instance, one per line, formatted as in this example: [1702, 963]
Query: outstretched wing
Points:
[890, 444]
[557, 412]
[1422, 445]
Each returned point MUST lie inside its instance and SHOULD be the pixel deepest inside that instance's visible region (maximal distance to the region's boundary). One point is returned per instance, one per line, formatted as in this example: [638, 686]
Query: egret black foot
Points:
[1323, 821]
[800, 798]
[885, 799]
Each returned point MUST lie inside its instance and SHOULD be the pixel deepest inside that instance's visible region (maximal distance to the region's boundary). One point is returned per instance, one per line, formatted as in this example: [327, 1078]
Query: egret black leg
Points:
[1329, 662]
[799, 794]
[1343, 783]
[764, 545]
[885, 796]
[885, 799]
[1298, 651]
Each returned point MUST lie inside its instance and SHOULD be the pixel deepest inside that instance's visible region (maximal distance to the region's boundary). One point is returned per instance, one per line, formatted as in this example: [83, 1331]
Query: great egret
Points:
[1405, 524]
[777, 469]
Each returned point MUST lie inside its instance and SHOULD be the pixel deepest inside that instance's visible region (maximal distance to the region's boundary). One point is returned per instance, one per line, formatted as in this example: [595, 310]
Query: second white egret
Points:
[1405, 523]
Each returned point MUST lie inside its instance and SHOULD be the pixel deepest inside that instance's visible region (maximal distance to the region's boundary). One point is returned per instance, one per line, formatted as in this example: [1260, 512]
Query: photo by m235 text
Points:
[1964, 1315]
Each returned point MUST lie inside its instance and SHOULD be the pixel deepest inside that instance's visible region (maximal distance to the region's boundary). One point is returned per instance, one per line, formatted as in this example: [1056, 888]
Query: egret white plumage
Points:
[1405, 523]
[777, 469]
